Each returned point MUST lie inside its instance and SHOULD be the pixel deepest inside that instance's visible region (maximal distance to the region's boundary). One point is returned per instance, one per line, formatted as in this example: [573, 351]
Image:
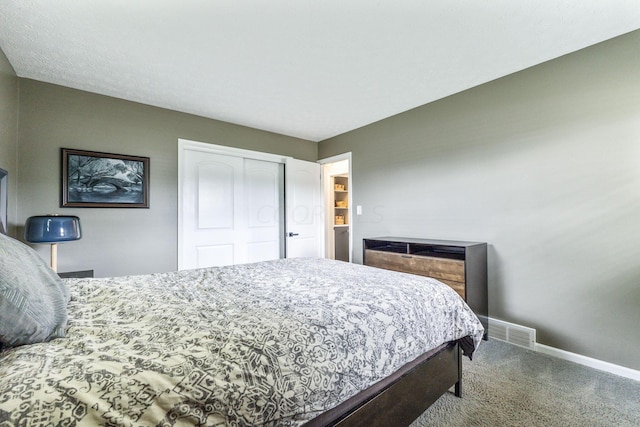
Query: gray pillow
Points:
[33, 299]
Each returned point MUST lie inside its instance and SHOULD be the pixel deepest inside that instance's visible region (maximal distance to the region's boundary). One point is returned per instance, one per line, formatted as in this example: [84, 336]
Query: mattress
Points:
[271, 343]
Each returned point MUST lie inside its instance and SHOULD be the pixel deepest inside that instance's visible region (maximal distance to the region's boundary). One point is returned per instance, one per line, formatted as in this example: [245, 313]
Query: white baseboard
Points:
[503, 331]
[588, 361]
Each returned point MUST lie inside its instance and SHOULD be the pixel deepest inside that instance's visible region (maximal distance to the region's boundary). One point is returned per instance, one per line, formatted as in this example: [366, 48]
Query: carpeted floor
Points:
[506, 385]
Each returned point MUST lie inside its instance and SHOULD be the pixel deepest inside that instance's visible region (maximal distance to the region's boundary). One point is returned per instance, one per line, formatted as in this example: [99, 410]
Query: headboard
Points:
[3, 201]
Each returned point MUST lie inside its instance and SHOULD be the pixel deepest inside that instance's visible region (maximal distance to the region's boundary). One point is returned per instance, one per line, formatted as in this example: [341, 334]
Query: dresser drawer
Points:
[457, 286]
[449, 271]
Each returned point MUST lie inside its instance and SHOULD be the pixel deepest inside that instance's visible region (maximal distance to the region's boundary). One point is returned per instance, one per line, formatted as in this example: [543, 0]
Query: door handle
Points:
[291, 234]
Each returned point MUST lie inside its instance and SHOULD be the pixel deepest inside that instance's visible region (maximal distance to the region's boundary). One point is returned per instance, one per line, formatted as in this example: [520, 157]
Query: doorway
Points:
[337, 191]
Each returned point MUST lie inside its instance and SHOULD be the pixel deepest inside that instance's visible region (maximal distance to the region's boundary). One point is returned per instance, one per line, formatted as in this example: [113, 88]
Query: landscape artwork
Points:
[93, 179]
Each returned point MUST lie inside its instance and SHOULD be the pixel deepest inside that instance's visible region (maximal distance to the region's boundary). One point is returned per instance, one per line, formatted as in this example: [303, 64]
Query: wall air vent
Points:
[512, 333]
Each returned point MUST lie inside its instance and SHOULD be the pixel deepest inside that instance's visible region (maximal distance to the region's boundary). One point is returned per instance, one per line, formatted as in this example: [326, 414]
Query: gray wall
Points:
[9, 134]
[118, 241]
[544, 165]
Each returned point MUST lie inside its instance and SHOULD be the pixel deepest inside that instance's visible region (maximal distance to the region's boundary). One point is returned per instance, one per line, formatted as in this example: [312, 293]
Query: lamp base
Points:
[54, 257]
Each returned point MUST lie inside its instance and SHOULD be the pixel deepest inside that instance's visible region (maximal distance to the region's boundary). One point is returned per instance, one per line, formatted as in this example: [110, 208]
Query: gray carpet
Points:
[506, 385]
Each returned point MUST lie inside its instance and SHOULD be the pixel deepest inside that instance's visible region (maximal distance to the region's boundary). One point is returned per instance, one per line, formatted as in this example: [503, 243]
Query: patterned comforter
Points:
[273, 343]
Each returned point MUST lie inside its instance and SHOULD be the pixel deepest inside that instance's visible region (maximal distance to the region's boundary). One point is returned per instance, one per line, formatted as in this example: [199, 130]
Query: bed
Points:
[279, 343]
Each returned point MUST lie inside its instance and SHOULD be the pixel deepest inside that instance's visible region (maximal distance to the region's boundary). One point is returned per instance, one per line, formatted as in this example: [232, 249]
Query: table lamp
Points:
[52, 229]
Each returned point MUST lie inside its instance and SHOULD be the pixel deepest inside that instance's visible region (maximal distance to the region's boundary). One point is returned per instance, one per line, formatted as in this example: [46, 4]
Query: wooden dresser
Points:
[461, 265]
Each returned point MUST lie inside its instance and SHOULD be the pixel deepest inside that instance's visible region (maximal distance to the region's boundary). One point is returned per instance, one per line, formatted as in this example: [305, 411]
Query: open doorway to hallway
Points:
[337, 191]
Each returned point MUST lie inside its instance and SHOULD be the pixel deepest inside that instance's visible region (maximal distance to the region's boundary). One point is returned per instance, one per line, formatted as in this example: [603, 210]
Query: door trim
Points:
[186, 144]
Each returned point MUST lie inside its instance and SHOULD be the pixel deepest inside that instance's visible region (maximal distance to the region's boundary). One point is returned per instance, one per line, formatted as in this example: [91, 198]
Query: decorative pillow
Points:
[33, 299]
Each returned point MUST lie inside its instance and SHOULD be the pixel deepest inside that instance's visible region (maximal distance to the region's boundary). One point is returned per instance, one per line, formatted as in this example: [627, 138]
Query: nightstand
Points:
[76, 274]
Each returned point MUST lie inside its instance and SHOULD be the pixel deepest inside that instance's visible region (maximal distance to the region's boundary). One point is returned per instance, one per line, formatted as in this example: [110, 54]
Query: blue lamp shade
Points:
[52, 229]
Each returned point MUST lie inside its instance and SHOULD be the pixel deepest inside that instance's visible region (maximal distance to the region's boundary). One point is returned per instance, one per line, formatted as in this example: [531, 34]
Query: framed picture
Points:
[102, 180]
[3, 201]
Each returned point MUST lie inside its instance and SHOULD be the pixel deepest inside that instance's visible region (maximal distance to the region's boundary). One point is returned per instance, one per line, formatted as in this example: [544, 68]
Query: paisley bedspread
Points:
[272, 343]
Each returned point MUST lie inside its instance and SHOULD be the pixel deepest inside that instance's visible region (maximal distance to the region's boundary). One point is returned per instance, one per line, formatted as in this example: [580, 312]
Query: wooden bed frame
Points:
[399, 399]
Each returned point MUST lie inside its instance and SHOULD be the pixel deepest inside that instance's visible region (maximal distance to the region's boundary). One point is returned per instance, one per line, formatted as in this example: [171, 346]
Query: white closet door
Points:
[304, 209]
[262, 186]
[230, 210]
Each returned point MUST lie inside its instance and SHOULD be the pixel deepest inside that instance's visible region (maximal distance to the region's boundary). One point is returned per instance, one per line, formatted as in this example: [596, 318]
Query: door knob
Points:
[293, 234]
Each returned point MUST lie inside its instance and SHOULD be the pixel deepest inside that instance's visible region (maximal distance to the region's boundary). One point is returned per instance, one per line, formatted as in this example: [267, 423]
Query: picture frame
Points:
[92, 179]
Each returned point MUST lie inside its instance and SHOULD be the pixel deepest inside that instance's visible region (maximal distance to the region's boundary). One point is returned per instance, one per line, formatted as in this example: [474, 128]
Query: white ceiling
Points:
[306, 68]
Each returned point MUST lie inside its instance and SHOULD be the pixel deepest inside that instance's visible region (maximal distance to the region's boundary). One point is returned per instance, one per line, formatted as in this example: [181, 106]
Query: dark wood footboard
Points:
[399, 399]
